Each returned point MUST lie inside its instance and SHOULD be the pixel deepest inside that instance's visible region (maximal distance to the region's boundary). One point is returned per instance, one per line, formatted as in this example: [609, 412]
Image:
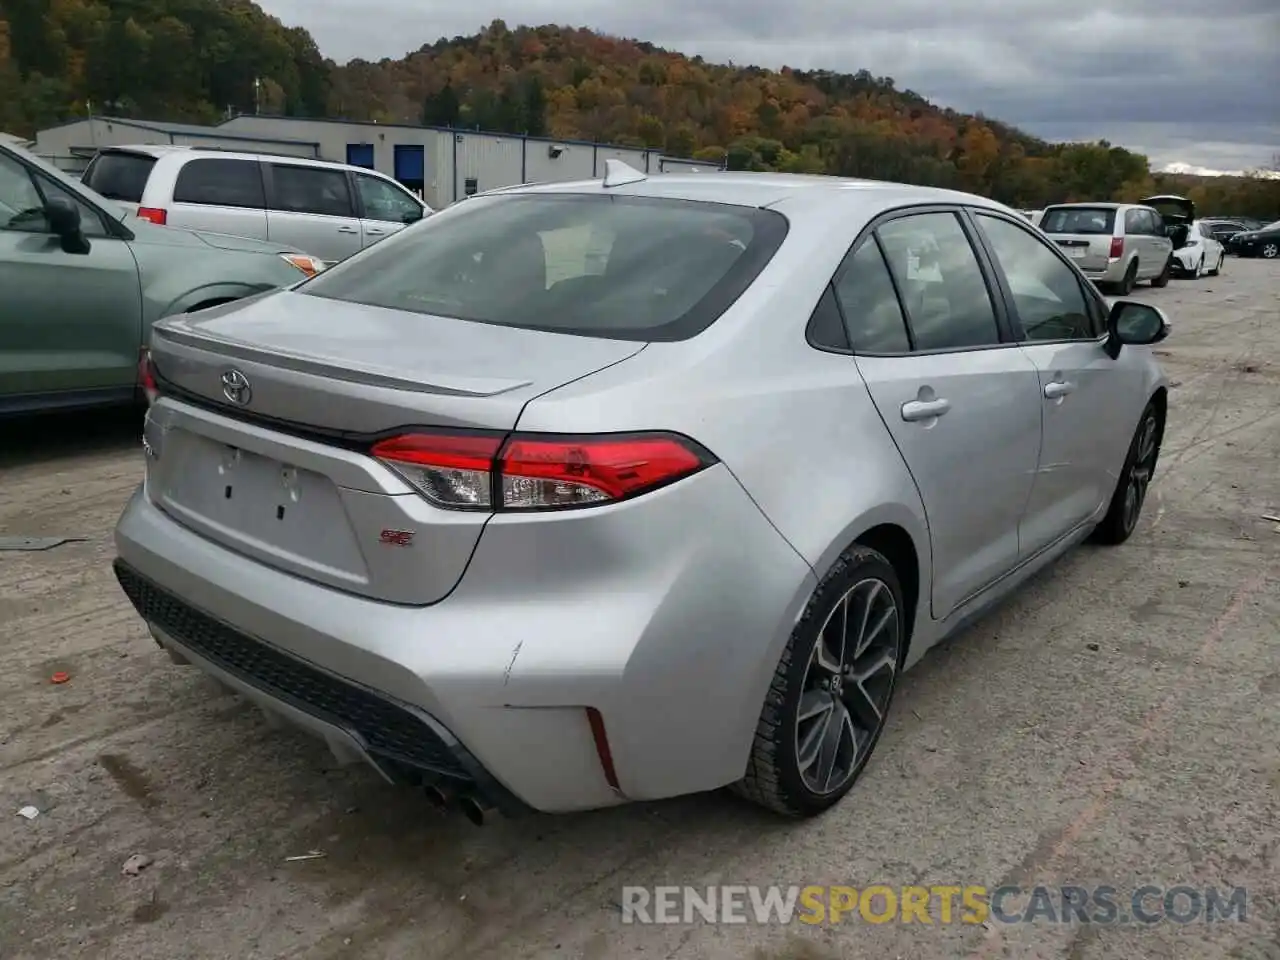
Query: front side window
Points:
[942, 286]
[21, 206]
[619, 267]
[1047, 295]
[317, 190]
[870, 304]
[23, 196]
[220, 182]
[384, 201]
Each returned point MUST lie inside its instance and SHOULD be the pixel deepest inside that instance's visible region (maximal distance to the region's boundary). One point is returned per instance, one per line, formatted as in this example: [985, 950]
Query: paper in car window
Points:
[913, 265]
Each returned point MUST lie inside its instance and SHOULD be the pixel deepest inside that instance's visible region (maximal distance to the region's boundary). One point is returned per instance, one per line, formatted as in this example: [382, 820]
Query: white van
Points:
[330, 210]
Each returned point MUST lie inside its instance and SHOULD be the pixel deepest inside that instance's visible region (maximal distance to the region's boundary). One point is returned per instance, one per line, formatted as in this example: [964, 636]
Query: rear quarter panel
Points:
[176, 279]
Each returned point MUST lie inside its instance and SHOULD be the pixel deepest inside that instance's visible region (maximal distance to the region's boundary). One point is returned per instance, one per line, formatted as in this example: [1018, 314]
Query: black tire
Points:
[1217, 267]
[1139, 467]
[1165, 274]
[777, 776]
[1125, 286]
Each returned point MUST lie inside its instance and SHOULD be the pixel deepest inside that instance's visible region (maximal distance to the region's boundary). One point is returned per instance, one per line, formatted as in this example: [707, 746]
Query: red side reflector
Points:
[602, 747]
[1117, 248]
[147, 376]
[156, 215]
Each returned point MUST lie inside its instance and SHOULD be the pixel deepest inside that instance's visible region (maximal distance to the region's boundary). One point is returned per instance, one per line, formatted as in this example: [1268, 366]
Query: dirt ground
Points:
[1117, 723]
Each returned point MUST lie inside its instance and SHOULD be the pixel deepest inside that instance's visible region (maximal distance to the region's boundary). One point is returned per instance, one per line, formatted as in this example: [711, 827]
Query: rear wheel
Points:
[1163, 279]
[1217, 267]
[830, 694]
[1125, 287]
[1131, 489]
[1199, 270]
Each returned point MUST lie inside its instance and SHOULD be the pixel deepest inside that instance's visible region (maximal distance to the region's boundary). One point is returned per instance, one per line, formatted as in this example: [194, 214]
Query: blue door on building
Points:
[360, 155]
[411, 164]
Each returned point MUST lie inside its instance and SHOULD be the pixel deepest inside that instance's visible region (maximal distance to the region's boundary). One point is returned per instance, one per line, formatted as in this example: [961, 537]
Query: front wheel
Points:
[830, 695]
[1130, 494]
[1271, 250]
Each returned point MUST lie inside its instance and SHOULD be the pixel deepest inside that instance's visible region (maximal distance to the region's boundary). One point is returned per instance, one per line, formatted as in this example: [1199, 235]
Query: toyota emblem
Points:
[235, 387]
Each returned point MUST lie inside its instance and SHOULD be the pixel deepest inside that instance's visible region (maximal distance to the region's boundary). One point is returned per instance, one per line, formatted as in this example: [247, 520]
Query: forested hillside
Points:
[195, 60]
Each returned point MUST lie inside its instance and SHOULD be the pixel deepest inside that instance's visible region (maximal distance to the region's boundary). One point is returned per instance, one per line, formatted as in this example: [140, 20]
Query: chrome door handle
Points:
[348, 230]
[1057, 389]
[915, 410]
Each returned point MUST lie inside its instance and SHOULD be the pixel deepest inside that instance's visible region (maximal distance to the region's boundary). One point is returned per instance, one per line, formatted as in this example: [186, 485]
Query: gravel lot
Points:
[1117, 723]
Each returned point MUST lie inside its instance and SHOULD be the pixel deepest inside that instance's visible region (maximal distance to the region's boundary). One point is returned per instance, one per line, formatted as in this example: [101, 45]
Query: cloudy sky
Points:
[1185, 81]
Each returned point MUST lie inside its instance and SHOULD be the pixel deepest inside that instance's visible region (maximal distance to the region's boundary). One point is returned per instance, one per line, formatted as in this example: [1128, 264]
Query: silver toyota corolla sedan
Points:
[582, 493]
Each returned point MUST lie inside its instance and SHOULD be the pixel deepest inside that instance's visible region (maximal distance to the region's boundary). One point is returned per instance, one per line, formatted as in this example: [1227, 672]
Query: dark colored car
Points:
[1264, 242]
[1224, 230]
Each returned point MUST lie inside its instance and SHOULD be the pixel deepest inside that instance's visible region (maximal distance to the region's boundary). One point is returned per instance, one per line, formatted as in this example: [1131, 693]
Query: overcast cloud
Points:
[1190, 81]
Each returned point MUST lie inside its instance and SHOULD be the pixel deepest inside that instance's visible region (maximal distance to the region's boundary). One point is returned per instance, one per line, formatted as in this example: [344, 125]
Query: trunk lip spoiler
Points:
[238, 350]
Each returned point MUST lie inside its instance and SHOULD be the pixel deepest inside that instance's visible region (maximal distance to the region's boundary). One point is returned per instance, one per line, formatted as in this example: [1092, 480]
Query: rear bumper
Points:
[1113, 272]
[666, 614]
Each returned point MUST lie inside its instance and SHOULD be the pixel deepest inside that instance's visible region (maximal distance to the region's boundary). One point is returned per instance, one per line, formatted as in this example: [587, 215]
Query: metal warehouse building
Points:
[441, 165]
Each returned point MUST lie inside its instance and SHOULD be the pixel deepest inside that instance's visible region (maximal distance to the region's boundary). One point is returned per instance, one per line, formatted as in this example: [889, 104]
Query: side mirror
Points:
[64, 221]
[1135, 323]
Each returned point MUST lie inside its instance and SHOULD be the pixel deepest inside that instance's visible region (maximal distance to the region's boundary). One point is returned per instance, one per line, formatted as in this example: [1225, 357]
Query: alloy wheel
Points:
[1271, 250]
[1144, 464]
[847, 686]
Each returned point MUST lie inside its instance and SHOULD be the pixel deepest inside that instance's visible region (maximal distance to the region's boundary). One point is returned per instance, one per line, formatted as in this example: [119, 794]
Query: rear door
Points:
[312, 209]
[384, 208]
[219, 195]
[70, 323]
[1083, 392]
[1083, 233]
[958, 396]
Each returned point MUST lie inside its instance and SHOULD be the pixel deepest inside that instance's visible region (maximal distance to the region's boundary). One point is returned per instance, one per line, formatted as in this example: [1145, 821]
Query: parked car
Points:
[1114, 244]
[83, 281]
[330, 209]
[1197, 252]
[1264, 242]
[1224, 230]
[670, 522]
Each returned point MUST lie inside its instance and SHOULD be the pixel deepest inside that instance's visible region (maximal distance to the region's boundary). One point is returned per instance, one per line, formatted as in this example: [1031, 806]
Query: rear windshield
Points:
[119, 176]
[1078, 220]
[623, 268]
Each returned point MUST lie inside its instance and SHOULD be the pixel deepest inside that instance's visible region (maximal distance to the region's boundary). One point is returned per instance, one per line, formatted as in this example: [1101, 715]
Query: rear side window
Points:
[625, 268]
[220, 183]
[1100, 220]
[870, 304]
[316, 190]
[119, 176]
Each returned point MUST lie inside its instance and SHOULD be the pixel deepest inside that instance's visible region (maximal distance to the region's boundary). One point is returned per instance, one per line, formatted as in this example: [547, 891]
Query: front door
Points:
[385, 208]
[70, 323]
[1082, 390]
[960, 399]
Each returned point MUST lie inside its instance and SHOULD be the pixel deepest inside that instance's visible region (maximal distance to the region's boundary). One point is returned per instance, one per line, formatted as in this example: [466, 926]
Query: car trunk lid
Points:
[1174, 209]
[283, 476]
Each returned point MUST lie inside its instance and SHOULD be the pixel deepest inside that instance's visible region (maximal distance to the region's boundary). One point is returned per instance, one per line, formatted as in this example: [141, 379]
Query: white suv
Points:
[330, 210]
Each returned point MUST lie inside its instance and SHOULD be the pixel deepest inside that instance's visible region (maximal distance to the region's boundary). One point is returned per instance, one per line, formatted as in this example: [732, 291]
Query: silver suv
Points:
[1114, 244]
[330, 210]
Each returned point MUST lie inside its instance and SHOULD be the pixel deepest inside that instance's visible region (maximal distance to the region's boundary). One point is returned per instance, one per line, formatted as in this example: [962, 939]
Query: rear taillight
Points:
[1117, 248]
[156, 215]
[147, 376]
[471, 471]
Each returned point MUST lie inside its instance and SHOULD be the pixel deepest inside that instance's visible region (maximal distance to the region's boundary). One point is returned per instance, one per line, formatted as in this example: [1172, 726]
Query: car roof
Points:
[159, 150]
[1101, 205]
[752, 189]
